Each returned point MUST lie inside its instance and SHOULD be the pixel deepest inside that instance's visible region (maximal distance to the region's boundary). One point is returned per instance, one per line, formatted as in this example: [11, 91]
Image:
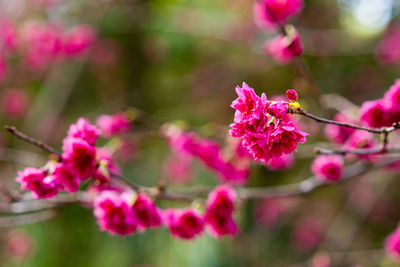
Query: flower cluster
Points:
[79, 161]
[382, 112]
[265, 128]
[269, 14]
[392, 244]
[188, 145]
[124, 213]
[41, 44]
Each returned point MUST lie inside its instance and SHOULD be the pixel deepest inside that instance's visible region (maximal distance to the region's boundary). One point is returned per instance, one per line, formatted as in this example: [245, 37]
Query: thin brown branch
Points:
[32, 141]
[384, 130]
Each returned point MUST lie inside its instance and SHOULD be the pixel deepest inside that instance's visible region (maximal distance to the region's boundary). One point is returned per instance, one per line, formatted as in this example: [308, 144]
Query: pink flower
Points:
[278, 109]
[284, 48]
[84, 130]
[361, 139]
[3, 68]
[388, 51]
[292, 95]
[19, 245]
[79, 157]
[219, 209]
[392, 101]
[114, 213]
[375, 114]
[178, 169]
[307, 234]
[270, 211]
[43, 44]
[106, 167]
[248, 102]
[14, 102]
[284, 137]
[8, 35]
[270, 12]
[38, 183]
[147, 213]
[283, 162]
[66, 178]
[328, 167]
[186, 224]
[263, 137]
[114, 124]
[189, 145]
[392, 245]
[337, 133]
[78, 40]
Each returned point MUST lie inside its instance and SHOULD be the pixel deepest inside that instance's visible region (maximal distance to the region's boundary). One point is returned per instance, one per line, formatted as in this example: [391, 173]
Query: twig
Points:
[384, 130]
[32, 141]
[358, 151]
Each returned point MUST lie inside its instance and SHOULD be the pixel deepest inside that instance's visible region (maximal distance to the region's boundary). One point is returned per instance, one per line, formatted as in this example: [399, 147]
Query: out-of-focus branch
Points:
[358, 151]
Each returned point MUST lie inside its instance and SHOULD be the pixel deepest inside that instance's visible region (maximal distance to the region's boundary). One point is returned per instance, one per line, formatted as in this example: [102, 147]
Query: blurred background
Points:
[179, 61]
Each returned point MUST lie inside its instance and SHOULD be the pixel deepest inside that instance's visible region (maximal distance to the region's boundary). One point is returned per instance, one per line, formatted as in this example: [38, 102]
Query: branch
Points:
[384, 130]
[32, 141]
[358, 151]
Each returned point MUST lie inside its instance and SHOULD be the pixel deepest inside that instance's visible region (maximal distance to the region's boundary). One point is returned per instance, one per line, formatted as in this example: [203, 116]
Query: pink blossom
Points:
[388, 51]
[42, 42]
[278, 109]
[375, 114]
[147, 213]
[114, 213]
[186, 223]
[392, 101]
[8, 35]
[392, 245]
[292, 95]
[3, 68]
[328, 167]
[263, 137]
[284, 48]
[106, 167]
[283, 162]
[37, 181]
[111, 125]
[14, 102]
[127, 150]
[337, 133]
[66, 178]
[270, 12]
[361, 139]
[219, 209]
[19, 244]
[270, 211]
[189, 145]
[178, 169]
[78, 40]
[84, 130]
[79, 157]
[307, 234]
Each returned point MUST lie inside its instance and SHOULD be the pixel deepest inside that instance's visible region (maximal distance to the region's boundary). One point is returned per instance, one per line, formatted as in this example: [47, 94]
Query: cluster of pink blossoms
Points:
[188, 145]
[269, 14]
[392, 244]
[118, 209]
[41, 44]
[112, 125]
[382, 112]
[124, 213]
[265, 128]
[79, 161]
